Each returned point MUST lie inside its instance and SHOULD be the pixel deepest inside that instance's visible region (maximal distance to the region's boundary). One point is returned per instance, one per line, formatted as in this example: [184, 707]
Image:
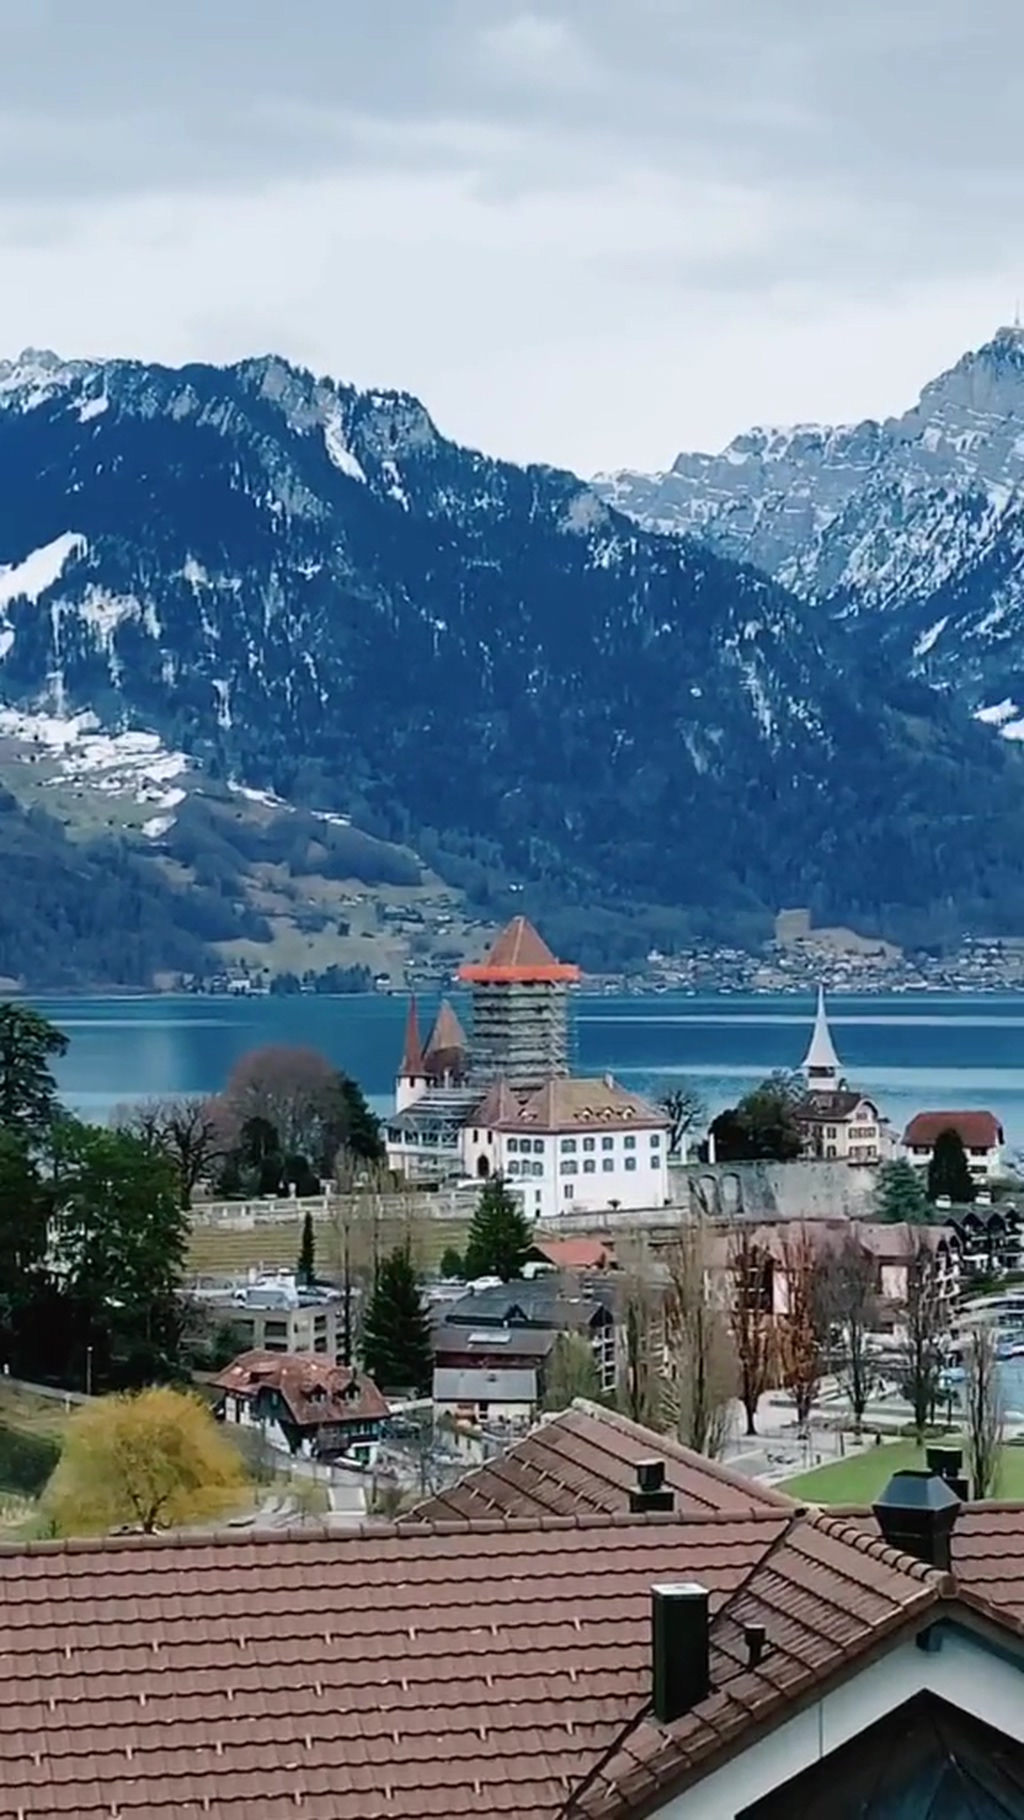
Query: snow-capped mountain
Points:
[314, 592]
[919, 516]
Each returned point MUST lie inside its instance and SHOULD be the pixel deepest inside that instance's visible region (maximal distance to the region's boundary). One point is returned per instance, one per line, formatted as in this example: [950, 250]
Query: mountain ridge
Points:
[310, 589]
[915, 522]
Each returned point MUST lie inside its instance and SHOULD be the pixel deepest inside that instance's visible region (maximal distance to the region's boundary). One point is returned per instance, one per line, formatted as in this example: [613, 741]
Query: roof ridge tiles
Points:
[879, 1550]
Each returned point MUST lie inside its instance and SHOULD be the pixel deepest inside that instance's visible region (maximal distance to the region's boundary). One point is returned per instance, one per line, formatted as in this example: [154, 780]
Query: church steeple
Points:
[821, 1063]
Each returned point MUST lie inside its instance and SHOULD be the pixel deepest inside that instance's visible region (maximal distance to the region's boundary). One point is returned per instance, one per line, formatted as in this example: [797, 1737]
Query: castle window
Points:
[588, 1143]
[630, 1143]
[568, 1144]
[589, 1165]
[607, 1143]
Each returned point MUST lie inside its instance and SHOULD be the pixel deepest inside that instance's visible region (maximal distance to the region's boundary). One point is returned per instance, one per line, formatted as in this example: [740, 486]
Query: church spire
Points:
[821, 1063]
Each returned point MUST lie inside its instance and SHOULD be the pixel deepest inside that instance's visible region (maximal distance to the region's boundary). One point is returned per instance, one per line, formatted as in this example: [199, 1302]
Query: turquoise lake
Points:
[907, 1051]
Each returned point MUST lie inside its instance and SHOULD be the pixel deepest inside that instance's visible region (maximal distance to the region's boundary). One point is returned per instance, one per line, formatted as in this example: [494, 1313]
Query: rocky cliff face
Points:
[918, 517]
[313, 591]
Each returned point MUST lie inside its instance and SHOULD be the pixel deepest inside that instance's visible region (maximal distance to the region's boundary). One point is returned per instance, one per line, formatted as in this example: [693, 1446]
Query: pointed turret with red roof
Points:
[411, 1080]
[444, 1058]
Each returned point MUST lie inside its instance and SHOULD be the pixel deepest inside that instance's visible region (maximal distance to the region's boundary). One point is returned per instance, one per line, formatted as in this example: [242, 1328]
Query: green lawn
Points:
[859, 1479]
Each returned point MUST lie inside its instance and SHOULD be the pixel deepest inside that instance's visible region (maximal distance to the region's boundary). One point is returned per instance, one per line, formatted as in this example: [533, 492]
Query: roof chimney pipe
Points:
[680, 1649]
[650, 1491]
[916, 1513]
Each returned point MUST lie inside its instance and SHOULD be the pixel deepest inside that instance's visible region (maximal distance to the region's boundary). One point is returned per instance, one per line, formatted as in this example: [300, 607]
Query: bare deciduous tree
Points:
[190, 1129]
[924, 1326]
[983, 1409]
[298, 1094]
[684, 1109]
[700, 1354]
[750, 1271]
[640, 1313]
[572, 1372]
[803, 1323]
[850, 1302]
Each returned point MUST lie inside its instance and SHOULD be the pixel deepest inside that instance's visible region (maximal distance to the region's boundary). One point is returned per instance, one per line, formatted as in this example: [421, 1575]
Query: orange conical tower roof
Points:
[519, 954]
[447, 1037]
[412, 1052]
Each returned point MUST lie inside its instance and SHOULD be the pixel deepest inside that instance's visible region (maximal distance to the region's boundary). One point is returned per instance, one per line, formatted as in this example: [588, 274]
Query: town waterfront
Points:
[908, 1051]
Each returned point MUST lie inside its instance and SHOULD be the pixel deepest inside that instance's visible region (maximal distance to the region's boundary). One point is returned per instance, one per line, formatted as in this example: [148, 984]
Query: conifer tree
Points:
[397, 1353]
[499, 1237]
[306, 1267]
[949, 1172]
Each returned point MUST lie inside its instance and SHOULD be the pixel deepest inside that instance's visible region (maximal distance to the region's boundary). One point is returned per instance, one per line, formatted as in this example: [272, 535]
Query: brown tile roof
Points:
[315, 1391]
[977, 1130]
[445, 1052]
[519, 945]
[570, 1105]
[826, 1594]
[519, 954]
[585, 1460]
[371, 1675]
[405, 1672]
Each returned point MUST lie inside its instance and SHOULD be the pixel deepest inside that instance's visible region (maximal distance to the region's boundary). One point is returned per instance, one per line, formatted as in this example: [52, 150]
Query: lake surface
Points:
[944, 1051]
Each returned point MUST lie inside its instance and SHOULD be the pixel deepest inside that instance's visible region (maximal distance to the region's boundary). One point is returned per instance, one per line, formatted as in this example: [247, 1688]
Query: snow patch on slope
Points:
[133, 764]
[338, 451]
[28, 579]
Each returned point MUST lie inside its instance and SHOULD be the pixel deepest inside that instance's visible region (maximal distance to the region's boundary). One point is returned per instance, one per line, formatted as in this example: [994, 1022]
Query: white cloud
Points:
[592, 231]
[541, 51]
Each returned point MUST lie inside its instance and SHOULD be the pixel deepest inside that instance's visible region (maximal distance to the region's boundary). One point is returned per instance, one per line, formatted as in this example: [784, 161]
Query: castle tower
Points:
[520, 1010]
[821, 1066]
[411, 1080]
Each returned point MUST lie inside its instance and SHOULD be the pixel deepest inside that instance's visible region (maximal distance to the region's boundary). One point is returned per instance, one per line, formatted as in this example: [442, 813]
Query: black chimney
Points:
[755, 1636]
[680, 1649]
[945, 1462]
[916, 1513]
[650, 1491]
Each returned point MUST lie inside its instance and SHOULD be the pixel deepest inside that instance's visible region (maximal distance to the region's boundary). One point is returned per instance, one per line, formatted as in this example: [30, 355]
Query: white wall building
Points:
[573, 1146]
[980, 1133]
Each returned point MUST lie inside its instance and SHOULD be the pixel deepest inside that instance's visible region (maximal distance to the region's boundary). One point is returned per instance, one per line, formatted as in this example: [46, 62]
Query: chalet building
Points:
[319, 1410]
[495, 1398]
[980, 1133]
[572, 1146]
[649, 1636]
[837, 1123]
[771, 1253]
[519, 1324]
[989, 1237]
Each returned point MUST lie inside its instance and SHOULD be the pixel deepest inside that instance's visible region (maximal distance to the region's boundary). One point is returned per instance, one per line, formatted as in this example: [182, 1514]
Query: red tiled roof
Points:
[576, 1254]
[315, 1391]
[446, 1045]
[976, 1130]
[519, 954]
[585, 1460]
[411, 1671]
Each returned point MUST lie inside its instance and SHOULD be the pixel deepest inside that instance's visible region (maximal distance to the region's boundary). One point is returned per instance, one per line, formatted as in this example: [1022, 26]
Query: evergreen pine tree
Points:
[900, 1194]
[397, 1353]
[948, 1171]
[305, 1270]
[499, 1237]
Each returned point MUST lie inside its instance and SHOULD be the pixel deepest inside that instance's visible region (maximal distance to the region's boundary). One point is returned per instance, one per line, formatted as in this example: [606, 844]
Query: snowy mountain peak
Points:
[921, 515]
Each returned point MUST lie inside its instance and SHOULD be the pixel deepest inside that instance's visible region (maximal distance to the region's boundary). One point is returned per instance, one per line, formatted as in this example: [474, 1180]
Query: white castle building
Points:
[505, 1102]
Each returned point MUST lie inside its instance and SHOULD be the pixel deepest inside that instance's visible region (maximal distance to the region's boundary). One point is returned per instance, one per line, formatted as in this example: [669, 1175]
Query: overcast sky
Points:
[586, 231]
